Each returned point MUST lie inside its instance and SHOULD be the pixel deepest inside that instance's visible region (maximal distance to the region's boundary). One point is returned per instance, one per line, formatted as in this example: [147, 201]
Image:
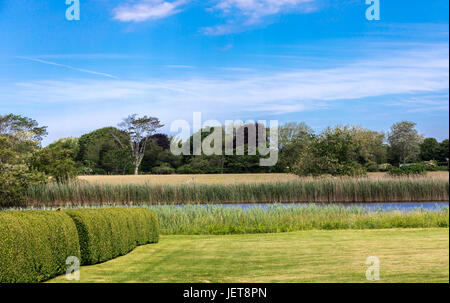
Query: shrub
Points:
[163, 169]
[385, 167]
[108, 233]
[371, 166]
[34, 245]
[431, 165]
[408, 170]
[14, 181]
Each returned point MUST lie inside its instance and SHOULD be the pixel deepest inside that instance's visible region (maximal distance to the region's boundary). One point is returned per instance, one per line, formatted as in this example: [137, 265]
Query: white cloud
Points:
[255, 90]
[395, 76]
[179, 66]
[144, 10]
[256, 9]
[242, 14]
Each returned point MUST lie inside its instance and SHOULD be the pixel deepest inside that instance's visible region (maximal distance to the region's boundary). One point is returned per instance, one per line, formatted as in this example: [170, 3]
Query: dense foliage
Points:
[34, 245]
[108, 233]
[338, 151]
[19, 142]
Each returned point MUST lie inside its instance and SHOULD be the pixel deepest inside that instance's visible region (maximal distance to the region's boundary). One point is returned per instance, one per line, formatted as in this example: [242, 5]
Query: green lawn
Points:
[406, 255]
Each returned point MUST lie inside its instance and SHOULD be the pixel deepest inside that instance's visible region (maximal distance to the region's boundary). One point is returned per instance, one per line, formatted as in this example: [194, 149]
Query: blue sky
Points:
[317, 61]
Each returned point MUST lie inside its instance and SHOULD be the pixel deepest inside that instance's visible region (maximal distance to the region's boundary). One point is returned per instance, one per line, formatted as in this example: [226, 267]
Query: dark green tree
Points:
[429, 149]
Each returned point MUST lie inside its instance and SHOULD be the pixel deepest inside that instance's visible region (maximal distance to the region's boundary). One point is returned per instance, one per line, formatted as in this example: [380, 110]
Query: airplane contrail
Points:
[68, 67]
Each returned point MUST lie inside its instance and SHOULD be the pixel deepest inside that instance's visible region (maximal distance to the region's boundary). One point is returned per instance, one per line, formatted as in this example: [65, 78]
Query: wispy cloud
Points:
[227, 47]
[243, 14]
[143, 10]
[98, 56]
[423, 102]
[408, 79]
[68, 67]
[179, 66]
[403, 73]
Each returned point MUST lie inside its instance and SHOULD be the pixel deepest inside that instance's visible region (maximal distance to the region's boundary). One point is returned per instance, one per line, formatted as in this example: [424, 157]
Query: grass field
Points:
[189, 179]
[219, 178]
[406, 255]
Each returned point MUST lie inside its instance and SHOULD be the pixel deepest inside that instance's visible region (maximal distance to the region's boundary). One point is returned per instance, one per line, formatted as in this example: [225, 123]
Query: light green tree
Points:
[404, 141]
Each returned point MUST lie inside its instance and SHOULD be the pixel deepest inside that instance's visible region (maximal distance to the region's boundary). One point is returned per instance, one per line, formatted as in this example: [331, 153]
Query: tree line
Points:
[136, 146]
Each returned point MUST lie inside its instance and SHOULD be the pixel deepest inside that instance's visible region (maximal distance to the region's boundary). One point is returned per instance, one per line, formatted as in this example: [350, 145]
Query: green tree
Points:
[337, 151]
[444, 151]
[369, 146]
[293, 139]
[404, 141]
[139, 130]
[58, 159]
[429, 149]
[101, 153]
[11, 125]
[19, 141]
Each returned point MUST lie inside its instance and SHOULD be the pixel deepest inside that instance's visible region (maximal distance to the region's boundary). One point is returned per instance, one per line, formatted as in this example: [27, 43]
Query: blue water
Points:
[367, 206]
[371, 207]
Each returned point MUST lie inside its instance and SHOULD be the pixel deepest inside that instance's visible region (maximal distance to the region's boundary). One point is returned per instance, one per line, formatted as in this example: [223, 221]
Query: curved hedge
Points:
[34, 245]
[108, 233]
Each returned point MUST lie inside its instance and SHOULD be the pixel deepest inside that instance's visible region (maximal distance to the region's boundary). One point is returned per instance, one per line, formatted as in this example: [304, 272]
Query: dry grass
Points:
[442, 175]
[220, 179]
[187, 179]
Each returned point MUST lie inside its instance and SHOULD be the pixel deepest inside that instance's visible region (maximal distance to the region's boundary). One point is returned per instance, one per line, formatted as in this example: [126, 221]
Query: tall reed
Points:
[320, 190]
[201, 219]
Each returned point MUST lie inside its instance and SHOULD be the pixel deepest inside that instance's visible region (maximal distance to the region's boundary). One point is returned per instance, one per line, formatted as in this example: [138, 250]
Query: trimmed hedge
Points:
[108, 233]
[34, 245]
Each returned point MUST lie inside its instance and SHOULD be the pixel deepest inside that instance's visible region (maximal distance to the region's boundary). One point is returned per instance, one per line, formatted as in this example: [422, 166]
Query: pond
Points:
[367, 206]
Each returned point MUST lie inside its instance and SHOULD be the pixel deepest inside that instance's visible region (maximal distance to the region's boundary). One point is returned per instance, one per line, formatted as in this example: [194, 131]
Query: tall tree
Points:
[292, 140]
[333, 152]
[58, 159]
[429, 149]
[140, 130]
[19, 140]
[444, 151]
[105, 151]
[404, 141]
[14, 124]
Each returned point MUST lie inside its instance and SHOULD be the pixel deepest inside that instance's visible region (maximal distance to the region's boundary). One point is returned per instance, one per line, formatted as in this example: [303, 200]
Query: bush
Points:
[14, 182]
[108, 233]
[385, 167]
[431, 165]
[163, 169]
[34, 245]
[371, 166]
[408, 170]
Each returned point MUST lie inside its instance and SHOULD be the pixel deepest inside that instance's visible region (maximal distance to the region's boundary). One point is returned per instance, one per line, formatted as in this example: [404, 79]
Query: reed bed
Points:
[210, 219]
[201, 219]
[343, 190]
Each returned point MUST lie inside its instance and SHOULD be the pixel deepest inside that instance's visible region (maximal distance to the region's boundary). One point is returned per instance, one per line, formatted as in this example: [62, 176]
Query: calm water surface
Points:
[367, 206]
